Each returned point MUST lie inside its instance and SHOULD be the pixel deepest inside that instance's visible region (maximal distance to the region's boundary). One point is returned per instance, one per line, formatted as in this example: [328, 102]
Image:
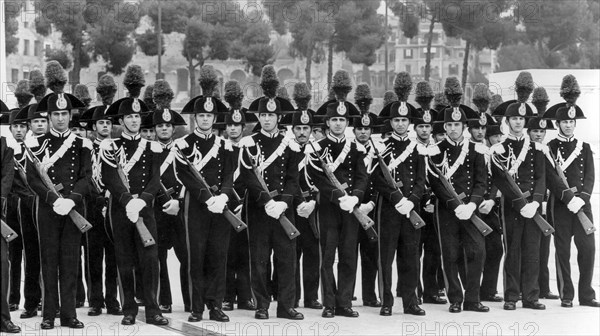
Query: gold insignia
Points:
[456, 114]
[522, 109]
[341, 109]
[571, 112]
[166, 115]
[208, 105]
[543, 123]
[236, 116]
[271, 105]
[305, 118]
[427, 117]
[403, 109]
[44, 114]
[136, 105]
[365, 120]
[61, 103]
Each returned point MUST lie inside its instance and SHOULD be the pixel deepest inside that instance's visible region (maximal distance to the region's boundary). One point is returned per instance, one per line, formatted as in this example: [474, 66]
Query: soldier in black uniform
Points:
[66, 157]
[525, 162]
[338, 227]
[238, 257]
[577, 162]
[140, 162]
[207, 229]
[6, 158]
[429, 245]
[277, 158]
[305, 203]
[396, 232]
[463, 164]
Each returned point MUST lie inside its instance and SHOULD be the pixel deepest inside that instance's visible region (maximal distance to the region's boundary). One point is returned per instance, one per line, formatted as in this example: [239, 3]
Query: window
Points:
[25, 47]
[408, 53]
[461, 54]
[14, 75]
[37, 48]
[392, 58]
[453, 70]
[407, 68]
[26, 24]
[47, 47]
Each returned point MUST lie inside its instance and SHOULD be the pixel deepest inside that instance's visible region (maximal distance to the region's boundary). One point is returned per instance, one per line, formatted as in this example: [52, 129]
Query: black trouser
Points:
[171, 234]
[369, 262]
[567, 225]
[238, 268]
[98, 245]
[207, 244]
[493, 255]
[307, 245]
[60, 242]
[4, 312]
[544, 276]
[429, 247]
[266, 234]
[396, 233]
[522, 260]
[131, 254]
[15, 248]
[339, 232]
[460, 241]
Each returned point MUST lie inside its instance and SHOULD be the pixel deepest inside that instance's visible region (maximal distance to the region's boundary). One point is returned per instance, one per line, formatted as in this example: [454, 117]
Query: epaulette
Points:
[155, 147]
[106, 144]
[497, 148]
[181, 143]
[360, 147]
[228, 145]
[293, 145]
[309, 147]
[481, 149]
[433, 150]
[87, 143]
[32, 142]
[247, 141]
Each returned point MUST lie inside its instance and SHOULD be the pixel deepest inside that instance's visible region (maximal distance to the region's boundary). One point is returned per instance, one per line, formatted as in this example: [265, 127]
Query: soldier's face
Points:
[423, 131]
[39, 126]
[79, 131]
[302, 133]
[337, 125]
[477, 133]
[268, 121]
[148, 134]
[205, 121]
[537, 135]
[18, 131]
[318, 133]
[516, 124]
[103, 128]
[567, 127]
[234, 131]
[494, 139]
[60, 120]
[400, 125]
[132, 122]
[362, 134]
[454, 130]
[164, 131]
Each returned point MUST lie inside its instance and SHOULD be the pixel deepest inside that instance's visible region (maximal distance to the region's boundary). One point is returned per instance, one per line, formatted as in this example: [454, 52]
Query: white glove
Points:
[575, 204]
[429, 208]
[104, 211]
[133, 216]
[347, 203]
[218, 204]
[544, 208]
[464, 211]
[304, 209]
[275, 209]
[528, 211]
[405, 206]
[62, 206]
[366, 208]
[135, 205]
[171, 207]
[486, 206]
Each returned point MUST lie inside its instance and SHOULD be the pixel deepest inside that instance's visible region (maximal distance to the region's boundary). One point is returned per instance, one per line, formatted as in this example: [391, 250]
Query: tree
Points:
[60, 56]
[12, 9]
[518, 57]
[253, 46]
[148, 43]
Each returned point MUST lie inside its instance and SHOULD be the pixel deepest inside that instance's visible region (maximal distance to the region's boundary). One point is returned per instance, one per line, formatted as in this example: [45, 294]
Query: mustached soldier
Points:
[140, 162]
[67, 159]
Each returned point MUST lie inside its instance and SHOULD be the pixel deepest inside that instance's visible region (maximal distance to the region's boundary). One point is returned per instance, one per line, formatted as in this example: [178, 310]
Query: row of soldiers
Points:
[225, 205]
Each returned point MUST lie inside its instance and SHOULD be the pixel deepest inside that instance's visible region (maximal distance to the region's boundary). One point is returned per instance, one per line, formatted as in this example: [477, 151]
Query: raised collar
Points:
[336, 139]
[421, 142]
[203, 136]
[269, 135]
[516, 138]
[128, 136]
[166, 145]
[97, 141]
[400, 137]
[561, 137]
[58, 134]
[455, 143]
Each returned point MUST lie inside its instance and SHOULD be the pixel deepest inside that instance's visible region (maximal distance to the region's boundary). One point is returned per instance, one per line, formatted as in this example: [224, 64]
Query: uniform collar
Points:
[128, 136]
[455, 143]
[516, 138]
[335, 139]
[561, 137]
[421, 142]
[400, 137]
[269, 135]
[97, 141]
[59, 134]
[202, 135]
[166, 145]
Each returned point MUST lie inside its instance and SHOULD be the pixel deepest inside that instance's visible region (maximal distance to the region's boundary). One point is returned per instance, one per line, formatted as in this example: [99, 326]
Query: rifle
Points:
[238, 224]
[287, 226]
[82, 224]
[22, 174]
[363, 219]
[522, 198]
[7, 232]
[145, 235]
[413, 216]
[586, 223]
[483, 228]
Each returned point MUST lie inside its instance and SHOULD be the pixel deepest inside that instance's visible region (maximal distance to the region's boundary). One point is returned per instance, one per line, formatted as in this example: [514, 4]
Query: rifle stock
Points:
[80, 222]
[414, 217]
[237, 223]
[7, 232]
[481, 226]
